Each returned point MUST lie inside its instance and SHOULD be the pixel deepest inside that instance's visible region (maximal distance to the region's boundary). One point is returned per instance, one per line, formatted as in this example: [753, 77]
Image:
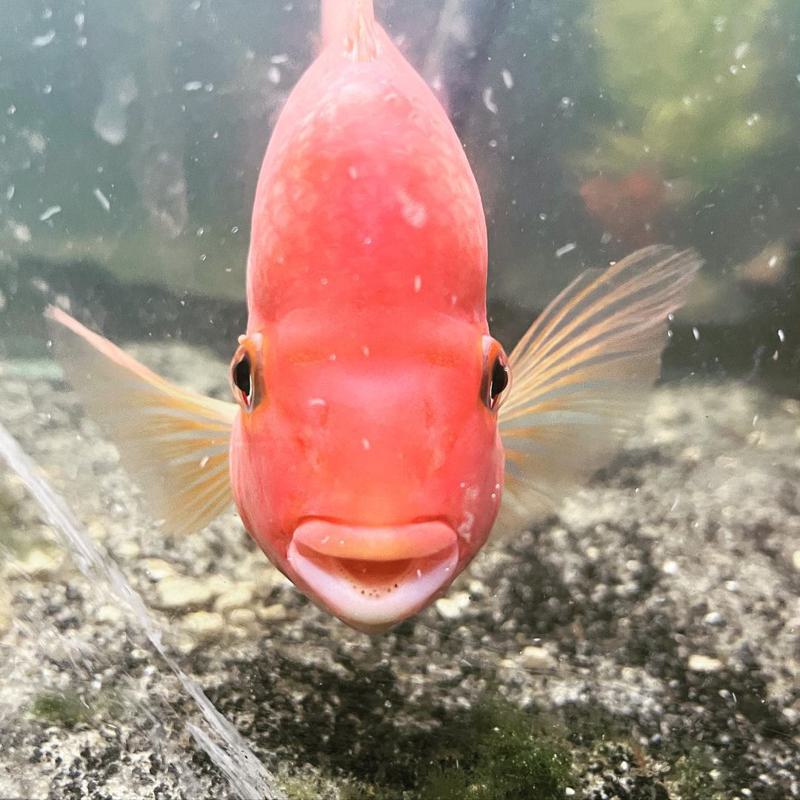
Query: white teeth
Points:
[365, 605]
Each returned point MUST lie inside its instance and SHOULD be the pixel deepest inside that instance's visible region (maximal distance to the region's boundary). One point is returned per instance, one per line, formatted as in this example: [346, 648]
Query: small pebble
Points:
[701, 663]
[109, 613]
[5, 610]
[179, 591]
[537, 659]
[796, 560]
[243, 617]
[239, 596]
[128, 550]
[714, 618]
[272, 613]
[203, 624]
[39, 563]
[451, 607]
[157, 569]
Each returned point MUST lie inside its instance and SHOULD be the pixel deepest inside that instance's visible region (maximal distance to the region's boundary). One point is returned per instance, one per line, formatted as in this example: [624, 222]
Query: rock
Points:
[6, 614]
[109, 613]
[128, 550]
[179, 591]
[537, 659]
[268, 580]
[701, 663]
[452, 607]
[219, 584]
[272, 613]
[157, 569]
[796, 560]
[240, 596]
[714, 618]
[203, 625]
[40, 563]
[242, 617]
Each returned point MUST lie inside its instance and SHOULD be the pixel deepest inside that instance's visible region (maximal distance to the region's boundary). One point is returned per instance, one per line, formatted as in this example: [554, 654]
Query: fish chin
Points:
[373, 578]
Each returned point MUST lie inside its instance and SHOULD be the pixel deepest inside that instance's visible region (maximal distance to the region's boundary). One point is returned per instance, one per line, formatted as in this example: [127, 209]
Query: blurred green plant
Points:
[500, 753]
[695, 85]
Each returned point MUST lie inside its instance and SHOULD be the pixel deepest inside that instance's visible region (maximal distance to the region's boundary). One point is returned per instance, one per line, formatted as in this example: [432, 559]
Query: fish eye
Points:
[244, 383]
[242, 376]
[496, 375]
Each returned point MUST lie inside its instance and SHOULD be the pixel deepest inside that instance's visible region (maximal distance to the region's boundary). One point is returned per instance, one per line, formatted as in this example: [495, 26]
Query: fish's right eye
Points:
[242, 376]
[244, 380]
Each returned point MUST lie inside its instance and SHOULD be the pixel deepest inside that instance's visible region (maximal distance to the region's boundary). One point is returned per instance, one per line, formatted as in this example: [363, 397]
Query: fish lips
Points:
[373, 577]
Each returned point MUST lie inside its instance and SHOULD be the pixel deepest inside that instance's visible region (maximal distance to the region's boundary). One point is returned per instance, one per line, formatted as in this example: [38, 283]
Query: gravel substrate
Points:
[649, 631]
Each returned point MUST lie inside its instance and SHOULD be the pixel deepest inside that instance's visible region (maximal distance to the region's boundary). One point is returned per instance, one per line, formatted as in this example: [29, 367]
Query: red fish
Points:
[374, 415]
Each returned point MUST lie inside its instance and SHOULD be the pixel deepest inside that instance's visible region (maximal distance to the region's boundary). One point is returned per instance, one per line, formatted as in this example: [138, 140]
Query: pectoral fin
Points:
[581, 373]
[173, 442]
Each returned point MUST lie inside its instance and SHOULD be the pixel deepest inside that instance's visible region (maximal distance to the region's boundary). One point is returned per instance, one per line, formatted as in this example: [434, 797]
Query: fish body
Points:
[374, 421]
[367, 289]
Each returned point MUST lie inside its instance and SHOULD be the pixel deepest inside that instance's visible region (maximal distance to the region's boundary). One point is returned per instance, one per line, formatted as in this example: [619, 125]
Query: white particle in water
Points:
[488, 100]
[44, 39]
[564, 249]
[781, 335]
[696, 334]
[279, 58]
[102, 199]
[49, 212]
[193, 86]
[20, 231]
[508, 79]
[10, 192]
[753, 119]
[741, 50]
[274, 75]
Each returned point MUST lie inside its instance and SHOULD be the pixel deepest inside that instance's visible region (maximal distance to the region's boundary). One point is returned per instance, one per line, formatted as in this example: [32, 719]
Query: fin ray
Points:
[581, 373]
[172, 441]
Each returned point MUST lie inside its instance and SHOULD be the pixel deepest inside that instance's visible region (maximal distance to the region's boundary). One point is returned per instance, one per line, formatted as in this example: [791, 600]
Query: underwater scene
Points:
[448, 451]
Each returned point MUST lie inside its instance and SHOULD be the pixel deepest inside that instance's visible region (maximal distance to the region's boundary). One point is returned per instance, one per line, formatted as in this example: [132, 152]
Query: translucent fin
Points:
[173, 442]
[581, 372]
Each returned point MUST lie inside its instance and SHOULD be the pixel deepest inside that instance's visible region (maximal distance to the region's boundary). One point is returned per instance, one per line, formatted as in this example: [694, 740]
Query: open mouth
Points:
[374, 577]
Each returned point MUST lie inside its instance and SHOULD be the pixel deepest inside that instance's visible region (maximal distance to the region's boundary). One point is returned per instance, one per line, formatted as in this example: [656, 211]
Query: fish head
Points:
[366, 460]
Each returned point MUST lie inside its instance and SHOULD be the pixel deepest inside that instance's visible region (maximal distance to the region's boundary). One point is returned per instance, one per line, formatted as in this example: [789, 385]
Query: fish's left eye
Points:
[496, 375]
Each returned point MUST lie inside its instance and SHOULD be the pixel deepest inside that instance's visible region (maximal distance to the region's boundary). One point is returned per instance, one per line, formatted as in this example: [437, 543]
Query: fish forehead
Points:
[369, 334]
[366, 197]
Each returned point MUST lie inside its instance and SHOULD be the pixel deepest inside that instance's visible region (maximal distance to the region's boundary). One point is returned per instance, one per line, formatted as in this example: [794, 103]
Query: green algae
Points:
[692, 85]
[65, 709]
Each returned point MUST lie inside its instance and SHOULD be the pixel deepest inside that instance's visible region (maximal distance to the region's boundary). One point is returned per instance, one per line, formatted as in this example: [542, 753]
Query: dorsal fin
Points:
[351, 24]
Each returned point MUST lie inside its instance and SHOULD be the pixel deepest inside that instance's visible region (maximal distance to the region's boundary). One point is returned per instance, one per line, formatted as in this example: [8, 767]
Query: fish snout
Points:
[373, 577]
